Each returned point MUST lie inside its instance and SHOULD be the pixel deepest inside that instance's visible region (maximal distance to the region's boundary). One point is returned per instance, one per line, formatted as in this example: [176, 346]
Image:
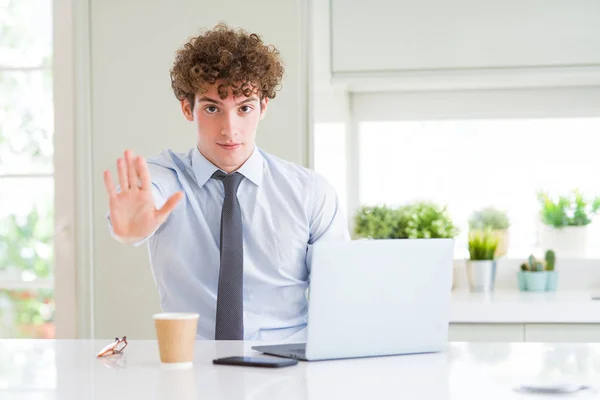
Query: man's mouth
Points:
[229, 146]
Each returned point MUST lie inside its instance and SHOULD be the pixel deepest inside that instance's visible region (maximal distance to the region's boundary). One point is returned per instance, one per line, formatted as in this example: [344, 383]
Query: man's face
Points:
[226, 128]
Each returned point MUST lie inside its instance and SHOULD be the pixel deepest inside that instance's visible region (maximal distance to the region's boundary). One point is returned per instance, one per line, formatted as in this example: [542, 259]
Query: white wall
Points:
[132, 106]
[386, 35]
[494, 103]
[403, 45]
[328, 103]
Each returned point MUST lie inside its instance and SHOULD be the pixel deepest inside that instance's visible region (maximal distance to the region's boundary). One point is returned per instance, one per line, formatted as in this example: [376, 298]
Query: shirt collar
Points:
[251, 169]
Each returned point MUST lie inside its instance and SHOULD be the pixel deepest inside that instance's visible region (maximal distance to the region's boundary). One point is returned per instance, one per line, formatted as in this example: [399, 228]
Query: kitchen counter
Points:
[512, 306]
[68, 369]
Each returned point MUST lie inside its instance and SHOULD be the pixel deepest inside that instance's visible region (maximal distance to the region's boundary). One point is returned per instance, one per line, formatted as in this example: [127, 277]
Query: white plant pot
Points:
[567, 242]
[481, 275]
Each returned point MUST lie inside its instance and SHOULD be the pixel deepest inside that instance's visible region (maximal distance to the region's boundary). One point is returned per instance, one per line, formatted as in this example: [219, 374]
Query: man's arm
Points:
[327, 220]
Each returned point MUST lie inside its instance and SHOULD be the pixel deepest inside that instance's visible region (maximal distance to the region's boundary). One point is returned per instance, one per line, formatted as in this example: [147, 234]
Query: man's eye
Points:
[245, 109]
[211, 109]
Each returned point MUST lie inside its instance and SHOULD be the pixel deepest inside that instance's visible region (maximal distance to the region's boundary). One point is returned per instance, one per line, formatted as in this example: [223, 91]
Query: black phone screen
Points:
[256, 361]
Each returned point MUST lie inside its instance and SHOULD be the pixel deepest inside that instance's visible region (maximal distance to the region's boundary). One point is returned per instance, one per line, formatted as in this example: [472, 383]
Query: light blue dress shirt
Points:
[285, 207]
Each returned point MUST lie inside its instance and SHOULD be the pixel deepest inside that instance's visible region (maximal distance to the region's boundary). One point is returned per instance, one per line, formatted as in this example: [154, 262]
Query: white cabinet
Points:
[573, 333]
[383, 36]
[486, 333]
[548, 333]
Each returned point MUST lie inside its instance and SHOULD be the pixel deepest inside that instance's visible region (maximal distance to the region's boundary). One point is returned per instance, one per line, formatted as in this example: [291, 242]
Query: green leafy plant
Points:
[26, 247]
[535, 265]
[33, 306]
[424, 219]
[483, 244]
[26, 243]
[489, 217]
[411, 221]
[378, 222]
[568, 210]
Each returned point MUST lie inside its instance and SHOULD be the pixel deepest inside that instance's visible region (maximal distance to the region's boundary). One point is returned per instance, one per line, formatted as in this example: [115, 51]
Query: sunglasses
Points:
[115, 347]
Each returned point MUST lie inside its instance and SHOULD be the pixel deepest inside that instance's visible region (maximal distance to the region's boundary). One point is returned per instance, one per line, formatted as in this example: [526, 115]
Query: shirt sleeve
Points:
[160, 178]
[327, 220]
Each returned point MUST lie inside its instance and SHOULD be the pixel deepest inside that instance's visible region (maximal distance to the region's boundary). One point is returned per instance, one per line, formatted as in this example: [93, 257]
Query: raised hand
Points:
[133, 213]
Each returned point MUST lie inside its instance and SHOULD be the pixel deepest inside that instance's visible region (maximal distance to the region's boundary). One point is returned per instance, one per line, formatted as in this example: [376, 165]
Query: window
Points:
[472, 163]
[26, 169]
[467, 149]
[330, 157]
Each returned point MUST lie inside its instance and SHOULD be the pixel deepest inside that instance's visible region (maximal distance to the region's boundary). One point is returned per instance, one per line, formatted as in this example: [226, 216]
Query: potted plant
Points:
[411, 221]
[538, 275]
[564, 222]
[481, 266]
[495, 219]
[426, 220]
[376, 222]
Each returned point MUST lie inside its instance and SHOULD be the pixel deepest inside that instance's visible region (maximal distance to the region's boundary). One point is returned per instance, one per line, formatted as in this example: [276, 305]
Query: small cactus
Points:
[540, 265]
[534, 265]
[531, 262]
[550, 260]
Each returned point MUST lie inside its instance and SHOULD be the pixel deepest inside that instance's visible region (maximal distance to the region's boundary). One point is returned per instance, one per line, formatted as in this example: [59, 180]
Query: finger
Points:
[169, 206]
[131, 174]
[143, 173]
[122, 170]
[110, 186]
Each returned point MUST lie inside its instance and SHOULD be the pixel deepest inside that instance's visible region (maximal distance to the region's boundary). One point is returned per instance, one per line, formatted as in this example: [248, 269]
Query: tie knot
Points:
[231, 182]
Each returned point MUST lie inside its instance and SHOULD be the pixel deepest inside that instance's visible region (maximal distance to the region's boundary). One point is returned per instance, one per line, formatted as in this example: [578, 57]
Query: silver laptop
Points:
[374, 298]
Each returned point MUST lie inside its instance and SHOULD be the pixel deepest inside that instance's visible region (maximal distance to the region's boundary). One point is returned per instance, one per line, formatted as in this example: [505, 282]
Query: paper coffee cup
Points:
[176, 334]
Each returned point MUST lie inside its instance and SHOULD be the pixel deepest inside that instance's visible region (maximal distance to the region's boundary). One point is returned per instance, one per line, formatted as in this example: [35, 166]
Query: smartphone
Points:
[256, 361]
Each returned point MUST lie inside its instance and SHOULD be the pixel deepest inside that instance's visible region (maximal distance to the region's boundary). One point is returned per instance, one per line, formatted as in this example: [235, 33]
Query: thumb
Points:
[169, 206]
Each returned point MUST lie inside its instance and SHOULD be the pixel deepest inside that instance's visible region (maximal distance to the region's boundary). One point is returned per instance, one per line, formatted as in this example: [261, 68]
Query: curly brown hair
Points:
[241, 59]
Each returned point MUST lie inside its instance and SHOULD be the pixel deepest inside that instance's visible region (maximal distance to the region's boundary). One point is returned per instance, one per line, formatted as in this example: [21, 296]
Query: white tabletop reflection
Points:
[68, 369]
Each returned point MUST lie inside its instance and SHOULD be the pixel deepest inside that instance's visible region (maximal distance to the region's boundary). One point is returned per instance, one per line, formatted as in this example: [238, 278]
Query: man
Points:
[229, 227]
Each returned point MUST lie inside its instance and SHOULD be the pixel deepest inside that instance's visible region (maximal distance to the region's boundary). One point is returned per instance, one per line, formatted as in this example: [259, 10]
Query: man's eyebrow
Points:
[209, 100]
[248, 100]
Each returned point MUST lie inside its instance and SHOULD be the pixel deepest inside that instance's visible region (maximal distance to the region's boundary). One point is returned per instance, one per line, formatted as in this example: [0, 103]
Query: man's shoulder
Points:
[164, 166]
[288, 169]
[300, 177]
[170, 159]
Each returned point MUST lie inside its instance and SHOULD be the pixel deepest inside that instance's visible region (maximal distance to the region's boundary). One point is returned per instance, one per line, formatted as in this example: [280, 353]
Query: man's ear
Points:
[186, 109]
[263, 107]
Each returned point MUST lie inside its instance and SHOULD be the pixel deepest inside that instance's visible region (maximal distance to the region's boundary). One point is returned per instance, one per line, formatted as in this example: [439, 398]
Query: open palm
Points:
[133, 213]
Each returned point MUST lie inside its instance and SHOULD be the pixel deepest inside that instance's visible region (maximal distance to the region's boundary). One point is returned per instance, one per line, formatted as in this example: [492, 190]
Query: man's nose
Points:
[229, 125]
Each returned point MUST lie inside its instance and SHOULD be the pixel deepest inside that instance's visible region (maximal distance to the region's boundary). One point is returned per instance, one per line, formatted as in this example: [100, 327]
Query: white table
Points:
[68, 369]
